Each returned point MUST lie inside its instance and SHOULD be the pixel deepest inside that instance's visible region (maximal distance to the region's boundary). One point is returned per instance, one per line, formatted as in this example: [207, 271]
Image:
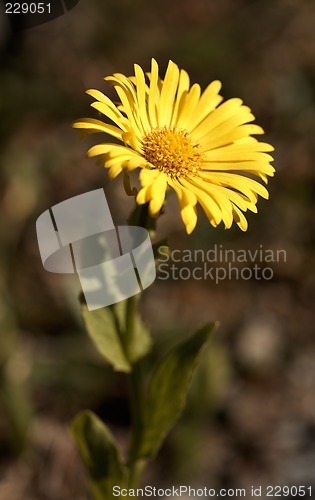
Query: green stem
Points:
[136, 401]
[144, 216]
[135, 381]
[135, 471]
[136, 409]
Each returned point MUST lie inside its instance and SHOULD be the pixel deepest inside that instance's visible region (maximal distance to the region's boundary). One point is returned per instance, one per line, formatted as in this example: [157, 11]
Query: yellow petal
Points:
[209, 100]
[240, 219]
[130, 139]
[154, 93]
[148, 176]
[115, 170]
[247, 147]
[112, 151]
[187, 201]
[220, 198]
[182, 91]
[191, 101]
[189, 216]
[110, 162]
[127, 95]
[235, 197]
[141, 94]
[219, 115]
[144, 195]
[158, 192]
[246, 166]
[209, 205]
[166, 105]
[217, 141]
[91, 125]
[245, 185]
[112, 114]
[99, 96]
[241, 118]
[224, 155]
[154, 189]
[136, 162]
[185, 196]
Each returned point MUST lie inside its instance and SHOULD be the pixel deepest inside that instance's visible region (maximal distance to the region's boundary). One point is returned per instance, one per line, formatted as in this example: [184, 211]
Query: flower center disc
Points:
[172, 151]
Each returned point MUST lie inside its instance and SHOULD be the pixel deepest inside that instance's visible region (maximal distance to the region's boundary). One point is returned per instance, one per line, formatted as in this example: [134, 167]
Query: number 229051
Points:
[285, 491]
[27, 8]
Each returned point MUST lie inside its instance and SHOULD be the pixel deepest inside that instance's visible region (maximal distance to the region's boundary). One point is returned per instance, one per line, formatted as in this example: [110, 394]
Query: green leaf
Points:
[100, 454]
[141, 341]
[102, 327]
[119, 345]
[137, 339]
[168, 389]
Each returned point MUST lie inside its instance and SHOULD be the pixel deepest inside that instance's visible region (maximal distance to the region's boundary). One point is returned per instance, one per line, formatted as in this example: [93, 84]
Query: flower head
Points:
[184, 139]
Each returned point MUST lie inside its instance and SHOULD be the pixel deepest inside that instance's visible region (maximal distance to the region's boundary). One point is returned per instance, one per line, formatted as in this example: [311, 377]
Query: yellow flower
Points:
[182, 139]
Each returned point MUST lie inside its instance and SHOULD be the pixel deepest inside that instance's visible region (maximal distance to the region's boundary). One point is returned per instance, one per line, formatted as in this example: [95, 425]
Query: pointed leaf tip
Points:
[168, 389]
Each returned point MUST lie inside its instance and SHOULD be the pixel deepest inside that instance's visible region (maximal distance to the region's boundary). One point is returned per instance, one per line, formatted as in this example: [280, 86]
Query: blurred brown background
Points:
[251, 413]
